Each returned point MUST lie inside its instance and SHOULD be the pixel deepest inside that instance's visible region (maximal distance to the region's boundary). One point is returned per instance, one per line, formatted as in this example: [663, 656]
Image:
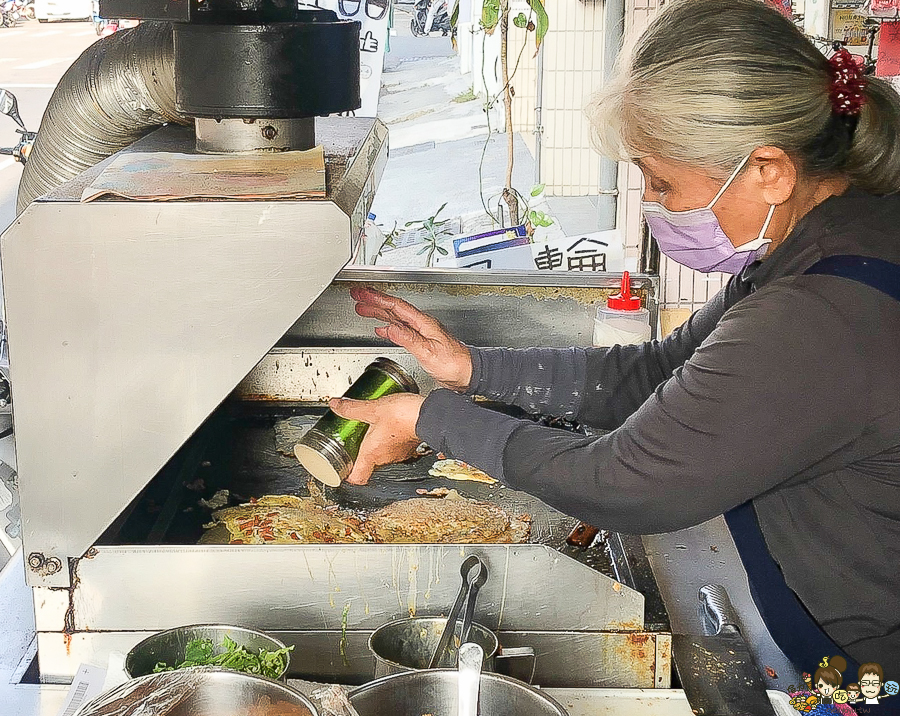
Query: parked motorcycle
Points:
[430, 16]
[10, 107]
[10, 12]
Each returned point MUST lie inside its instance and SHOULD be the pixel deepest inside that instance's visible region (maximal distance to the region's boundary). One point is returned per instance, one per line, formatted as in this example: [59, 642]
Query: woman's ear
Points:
[774, 172]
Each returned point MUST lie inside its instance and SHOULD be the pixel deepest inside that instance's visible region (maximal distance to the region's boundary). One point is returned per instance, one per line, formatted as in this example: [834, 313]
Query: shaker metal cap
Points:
[323, 457]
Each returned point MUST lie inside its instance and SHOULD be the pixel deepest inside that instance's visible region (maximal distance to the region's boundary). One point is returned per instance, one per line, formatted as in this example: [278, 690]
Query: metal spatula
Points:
[717, 671]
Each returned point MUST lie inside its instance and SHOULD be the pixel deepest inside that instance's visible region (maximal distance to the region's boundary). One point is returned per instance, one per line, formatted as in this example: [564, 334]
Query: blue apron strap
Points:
[883, 275]
[792, 627]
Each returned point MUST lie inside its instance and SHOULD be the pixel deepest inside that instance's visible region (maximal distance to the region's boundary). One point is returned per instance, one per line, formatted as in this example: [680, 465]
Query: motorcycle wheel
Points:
[415, 28]
[29, 12]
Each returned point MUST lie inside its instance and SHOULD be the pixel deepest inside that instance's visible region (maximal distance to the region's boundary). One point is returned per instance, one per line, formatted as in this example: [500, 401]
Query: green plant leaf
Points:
[520, 20]
[454, 16]
[424, 249]
[539, 218]
[542, 21]
[490, 15]
[537, 189]
[441, 250]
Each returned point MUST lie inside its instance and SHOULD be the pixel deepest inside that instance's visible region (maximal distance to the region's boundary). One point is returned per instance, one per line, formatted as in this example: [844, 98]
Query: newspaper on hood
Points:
[164, 176]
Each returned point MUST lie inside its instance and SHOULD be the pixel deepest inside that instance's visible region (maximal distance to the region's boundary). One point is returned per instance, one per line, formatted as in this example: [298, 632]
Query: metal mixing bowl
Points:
[200, 691]
[168, 646]
[434, 691]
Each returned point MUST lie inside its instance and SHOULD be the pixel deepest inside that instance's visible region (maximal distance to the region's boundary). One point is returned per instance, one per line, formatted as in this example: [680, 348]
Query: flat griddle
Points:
[235, 450]
[257, 467]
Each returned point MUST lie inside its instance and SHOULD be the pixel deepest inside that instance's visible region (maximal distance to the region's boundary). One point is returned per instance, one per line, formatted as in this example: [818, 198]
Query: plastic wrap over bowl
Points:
[200, 691]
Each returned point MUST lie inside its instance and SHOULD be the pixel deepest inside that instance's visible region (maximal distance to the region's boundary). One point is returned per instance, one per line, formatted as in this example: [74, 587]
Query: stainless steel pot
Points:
[200, 691]
[407, 645]
[435, 691]
[168, 646]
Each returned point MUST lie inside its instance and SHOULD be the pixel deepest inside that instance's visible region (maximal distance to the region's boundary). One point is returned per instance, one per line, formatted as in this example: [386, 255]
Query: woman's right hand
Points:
[440, 354]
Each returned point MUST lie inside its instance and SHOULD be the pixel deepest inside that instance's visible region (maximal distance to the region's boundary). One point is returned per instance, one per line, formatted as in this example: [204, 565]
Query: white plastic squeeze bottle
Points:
[621, 320]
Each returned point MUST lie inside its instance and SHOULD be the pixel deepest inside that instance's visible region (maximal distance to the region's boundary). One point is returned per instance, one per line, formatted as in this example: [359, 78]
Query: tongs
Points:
[474, 574]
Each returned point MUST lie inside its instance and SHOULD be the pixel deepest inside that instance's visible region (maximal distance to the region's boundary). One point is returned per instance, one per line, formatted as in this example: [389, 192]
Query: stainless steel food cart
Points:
[142, 333]
[153, 346]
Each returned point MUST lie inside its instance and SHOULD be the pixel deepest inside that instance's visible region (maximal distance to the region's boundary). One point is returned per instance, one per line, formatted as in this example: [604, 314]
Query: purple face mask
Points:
[695, 239]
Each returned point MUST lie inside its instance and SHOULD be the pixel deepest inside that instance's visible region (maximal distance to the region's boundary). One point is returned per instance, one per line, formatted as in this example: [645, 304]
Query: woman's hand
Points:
[440, 354]
[392, 430]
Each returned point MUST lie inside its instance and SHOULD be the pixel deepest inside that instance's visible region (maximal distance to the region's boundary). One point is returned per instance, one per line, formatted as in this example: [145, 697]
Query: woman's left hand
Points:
[392, 430]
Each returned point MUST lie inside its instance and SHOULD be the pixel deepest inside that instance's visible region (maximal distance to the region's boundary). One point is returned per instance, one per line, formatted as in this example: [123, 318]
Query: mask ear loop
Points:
[728, 183]
[765, 226]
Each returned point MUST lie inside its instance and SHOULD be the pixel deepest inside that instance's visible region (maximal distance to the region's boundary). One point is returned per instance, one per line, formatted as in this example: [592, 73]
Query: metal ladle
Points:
[472, 570]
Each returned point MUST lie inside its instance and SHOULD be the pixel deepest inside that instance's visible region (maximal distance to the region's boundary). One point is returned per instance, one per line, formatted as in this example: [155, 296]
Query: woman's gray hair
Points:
[711, 80]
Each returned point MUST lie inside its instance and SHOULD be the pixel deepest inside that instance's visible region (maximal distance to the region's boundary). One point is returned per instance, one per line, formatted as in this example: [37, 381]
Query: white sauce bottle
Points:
[622, 320]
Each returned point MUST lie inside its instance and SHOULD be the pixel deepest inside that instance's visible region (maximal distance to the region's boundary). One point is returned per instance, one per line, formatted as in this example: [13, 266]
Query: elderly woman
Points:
[778, 402]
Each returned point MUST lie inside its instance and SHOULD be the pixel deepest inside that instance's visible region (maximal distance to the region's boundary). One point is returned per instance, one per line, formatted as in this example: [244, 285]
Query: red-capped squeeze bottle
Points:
[622, 320]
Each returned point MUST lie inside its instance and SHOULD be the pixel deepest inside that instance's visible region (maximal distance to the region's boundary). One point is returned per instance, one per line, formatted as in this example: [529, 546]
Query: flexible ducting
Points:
[118, 90]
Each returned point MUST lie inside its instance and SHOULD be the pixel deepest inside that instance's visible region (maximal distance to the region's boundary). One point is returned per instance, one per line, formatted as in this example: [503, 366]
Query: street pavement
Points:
[440, 149]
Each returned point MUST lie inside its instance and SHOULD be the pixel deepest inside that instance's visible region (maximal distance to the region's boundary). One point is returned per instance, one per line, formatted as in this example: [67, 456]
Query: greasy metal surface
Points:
[327, 587]
[130, 321]
[241, 456]
[718, 676]
[315, 653]
[563, 658]
[513, 309]
[22, 696]
[309, 586]
[686, 560]
[312, 375]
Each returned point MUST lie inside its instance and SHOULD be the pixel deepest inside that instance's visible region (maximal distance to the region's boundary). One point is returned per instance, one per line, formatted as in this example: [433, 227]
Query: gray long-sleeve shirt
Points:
[784, 389]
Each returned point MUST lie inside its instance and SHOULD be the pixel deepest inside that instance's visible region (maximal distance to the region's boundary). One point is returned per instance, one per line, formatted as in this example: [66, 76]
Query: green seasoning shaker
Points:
[331, 446]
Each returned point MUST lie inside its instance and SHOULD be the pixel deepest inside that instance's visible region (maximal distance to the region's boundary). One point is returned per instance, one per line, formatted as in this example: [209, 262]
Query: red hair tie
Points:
[847, 84]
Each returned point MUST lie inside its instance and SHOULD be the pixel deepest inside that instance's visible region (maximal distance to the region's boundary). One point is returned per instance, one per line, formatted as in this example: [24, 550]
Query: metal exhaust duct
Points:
[118, 90]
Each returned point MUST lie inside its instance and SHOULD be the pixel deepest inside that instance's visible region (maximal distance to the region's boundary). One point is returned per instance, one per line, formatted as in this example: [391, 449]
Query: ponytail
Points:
[873, 162]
